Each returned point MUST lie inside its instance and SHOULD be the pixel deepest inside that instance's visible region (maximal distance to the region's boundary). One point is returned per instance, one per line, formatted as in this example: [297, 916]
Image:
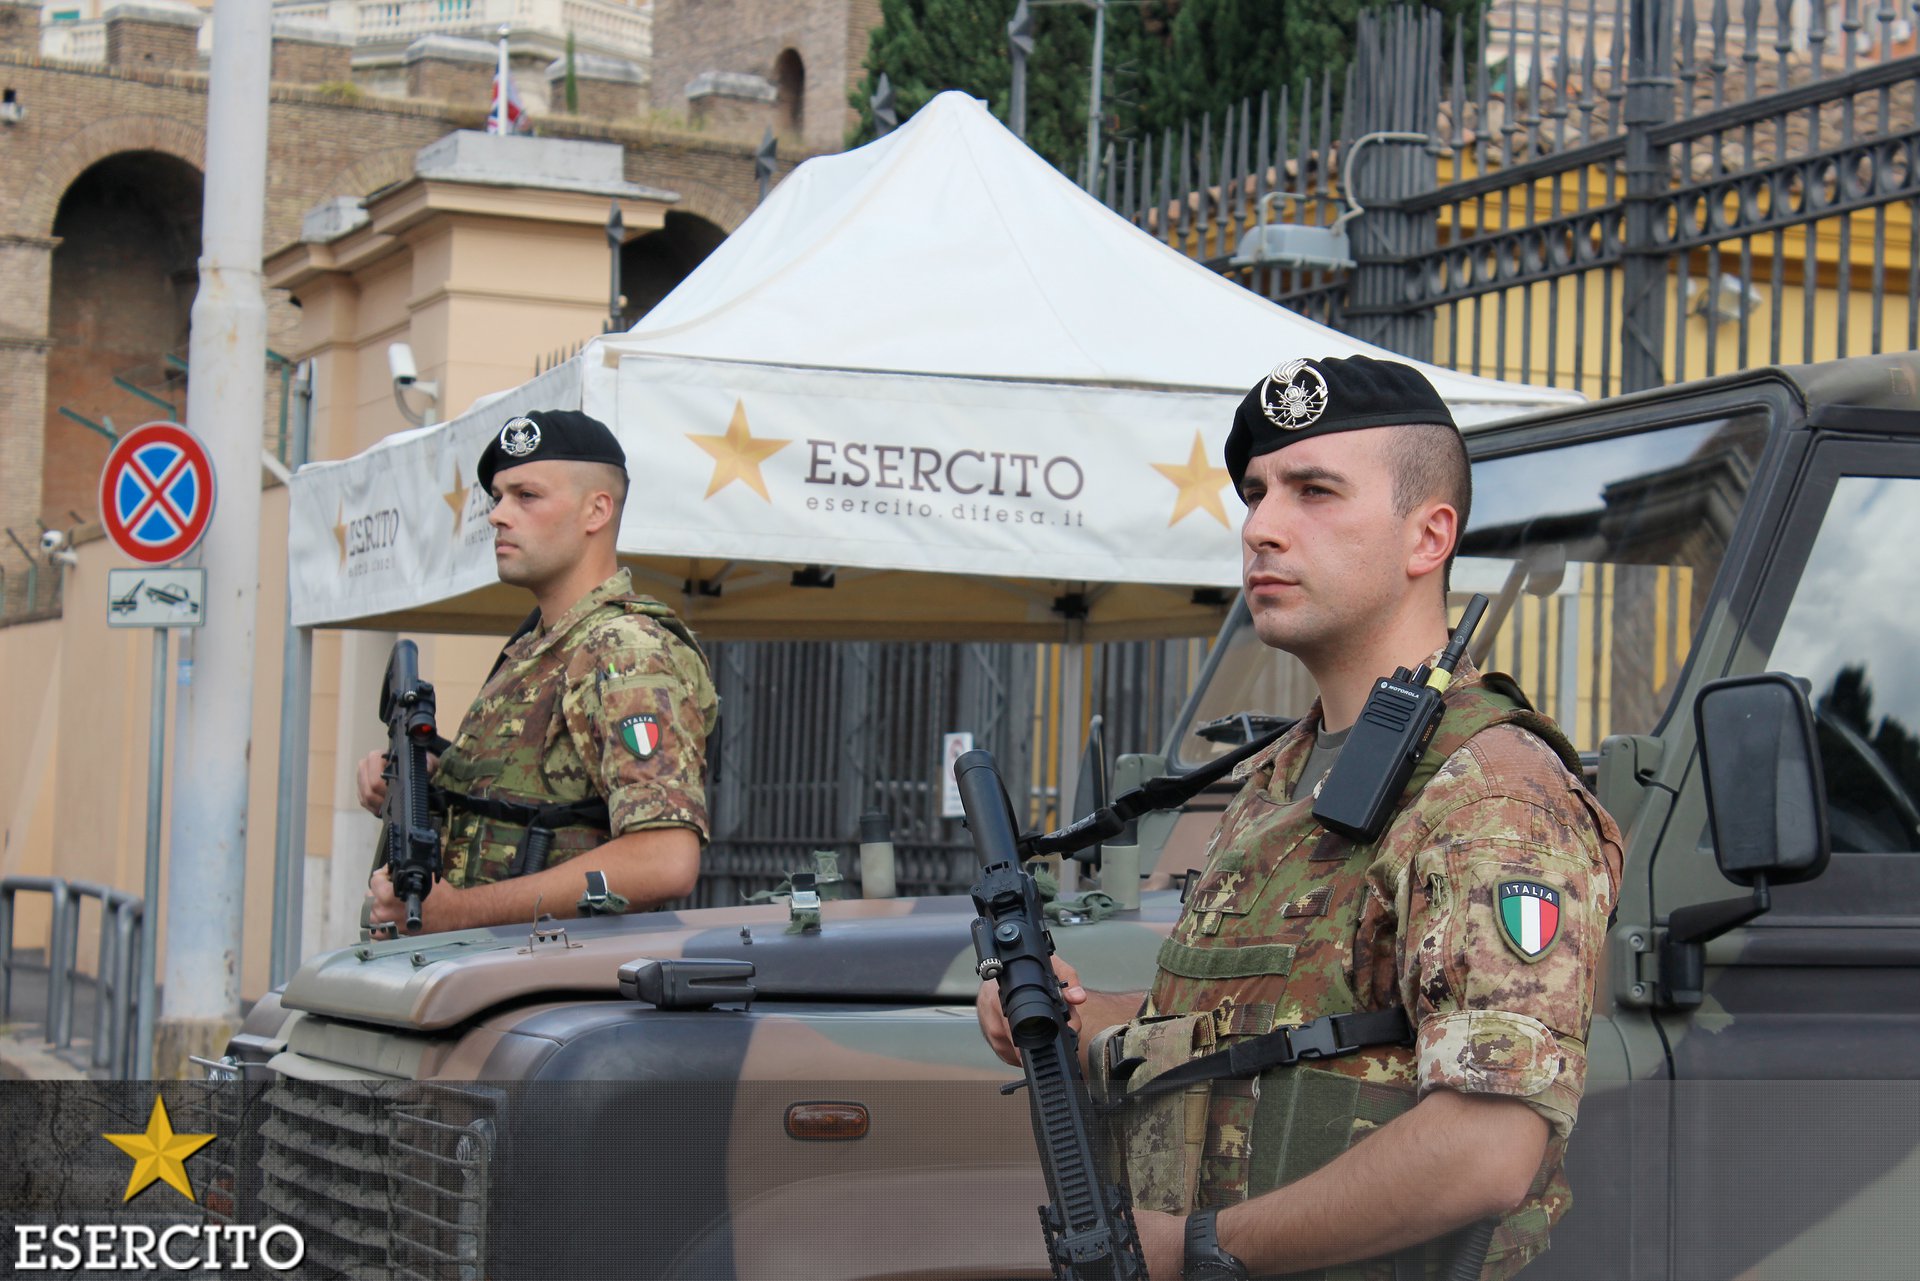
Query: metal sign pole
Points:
[150, 910]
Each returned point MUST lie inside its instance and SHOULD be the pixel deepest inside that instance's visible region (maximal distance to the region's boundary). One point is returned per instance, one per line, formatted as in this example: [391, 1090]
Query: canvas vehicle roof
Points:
[960, 389]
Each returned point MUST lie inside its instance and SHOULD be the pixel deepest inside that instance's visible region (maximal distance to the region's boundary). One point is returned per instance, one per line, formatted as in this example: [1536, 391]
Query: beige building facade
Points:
[419, 237]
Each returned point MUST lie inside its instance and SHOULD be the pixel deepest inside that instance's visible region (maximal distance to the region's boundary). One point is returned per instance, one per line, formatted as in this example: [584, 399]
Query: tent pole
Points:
[1073, 716]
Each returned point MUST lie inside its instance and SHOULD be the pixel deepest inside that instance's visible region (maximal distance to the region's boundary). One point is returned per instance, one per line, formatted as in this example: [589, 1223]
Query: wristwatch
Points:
[1205, 1259]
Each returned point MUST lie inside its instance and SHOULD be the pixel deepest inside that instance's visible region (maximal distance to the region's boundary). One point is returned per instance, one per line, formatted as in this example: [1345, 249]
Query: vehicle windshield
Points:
[1597, 558]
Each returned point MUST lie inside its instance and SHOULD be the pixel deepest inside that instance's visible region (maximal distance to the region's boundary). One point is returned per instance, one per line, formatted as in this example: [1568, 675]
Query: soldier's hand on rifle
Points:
[993, 1019]
[369, 780]
[386, 913]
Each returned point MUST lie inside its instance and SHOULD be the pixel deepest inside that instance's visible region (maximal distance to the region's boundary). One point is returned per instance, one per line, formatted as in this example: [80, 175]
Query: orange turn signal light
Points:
[827, 1121]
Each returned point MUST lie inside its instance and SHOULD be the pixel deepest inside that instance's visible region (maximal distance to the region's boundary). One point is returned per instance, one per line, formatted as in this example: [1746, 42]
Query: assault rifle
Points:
[412, 845]
[1088, 1221]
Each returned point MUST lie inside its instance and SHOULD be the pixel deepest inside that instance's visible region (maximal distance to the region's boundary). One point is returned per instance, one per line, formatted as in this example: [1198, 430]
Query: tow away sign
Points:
[156, 597]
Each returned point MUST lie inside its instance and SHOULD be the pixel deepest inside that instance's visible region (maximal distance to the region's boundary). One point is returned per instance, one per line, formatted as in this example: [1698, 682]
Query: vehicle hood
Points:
[897, 951]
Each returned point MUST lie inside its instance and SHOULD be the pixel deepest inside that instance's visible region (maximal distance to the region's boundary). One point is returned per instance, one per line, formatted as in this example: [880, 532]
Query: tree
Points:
[1218, 53]
[927, 46]
[1167, 61]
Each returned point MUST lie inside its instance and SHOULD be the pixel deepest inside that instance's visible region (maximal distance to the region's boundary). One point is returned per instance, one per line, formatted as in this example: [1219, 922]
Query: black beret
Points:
[1302, 399]
[549, 435]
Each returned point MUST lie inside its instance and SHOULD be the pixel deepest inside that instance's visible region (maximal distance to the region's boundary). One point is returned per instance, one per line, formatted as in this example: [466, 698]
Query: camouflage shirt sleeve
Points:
[1503, 907]
[638, 707]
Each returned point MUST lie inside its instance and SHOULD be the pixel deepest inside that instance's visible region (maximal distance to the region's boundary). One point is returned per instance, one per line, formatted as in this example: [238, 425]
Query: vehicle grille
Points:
[382, 1179]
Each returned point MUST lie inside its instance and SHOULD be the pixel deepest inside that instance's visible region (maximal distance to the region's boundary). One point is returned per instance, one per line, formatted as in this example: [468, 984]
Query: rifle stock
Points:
[411, 843]
[1088, 1221]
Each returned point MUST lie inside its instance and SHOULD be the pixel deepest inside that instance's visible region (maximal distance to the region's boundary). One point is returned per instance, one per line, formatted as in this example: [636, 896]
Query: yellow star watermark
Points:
[456, 498]
[1199, 484]
[159, 1153]
[737, 455]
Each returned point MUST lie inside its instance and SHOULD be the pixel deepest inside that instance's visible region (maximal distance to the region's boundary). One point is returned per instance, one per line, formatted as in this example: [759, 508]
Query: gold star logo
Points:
[1199, 484]
[737, 455]
[159, 1153]
[456, 498]
[340, 531]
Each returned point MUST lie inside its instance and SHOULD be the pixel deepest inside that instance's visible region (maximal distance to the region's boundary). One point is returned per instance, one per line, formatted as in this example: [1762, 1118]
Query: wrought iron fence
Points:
[813, 735]
[1668, 189]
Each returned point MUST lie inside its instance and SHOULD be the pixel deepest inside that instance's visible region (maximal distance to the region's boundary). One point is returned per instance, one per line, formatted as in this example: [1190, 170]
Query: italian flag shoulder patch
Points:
[1529, 917]
[641, 734]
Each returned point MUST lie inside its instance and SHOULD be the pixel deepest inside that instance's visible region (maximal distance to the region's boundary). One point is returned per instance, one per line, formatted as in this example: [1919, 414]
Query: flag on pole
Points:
[515, 114]
[505, 114]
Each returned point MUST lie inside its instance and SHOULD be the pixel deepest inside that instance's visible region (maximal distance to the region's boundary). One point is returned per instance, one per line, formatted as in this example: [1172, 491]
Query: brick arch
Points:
[79, 152]
[724, 211]
[370, 173]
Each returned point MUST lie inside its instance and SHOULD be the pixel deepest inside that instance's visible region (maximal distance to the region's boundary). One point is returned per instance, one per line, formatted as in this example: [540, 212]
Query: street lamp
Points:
[1019, 48]
[1305, 246]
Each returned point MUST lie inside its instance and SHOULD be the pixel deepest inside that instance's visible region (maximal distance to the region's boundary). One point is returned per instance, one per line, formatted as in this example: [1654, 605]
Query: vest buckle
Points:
[1315, 1040]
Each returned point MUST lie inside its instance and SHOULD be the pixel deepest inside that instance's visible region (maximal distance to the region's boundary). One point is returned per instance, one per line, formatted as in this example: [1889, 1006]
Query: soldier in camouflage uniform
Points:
[1451, 964]
[590, 733]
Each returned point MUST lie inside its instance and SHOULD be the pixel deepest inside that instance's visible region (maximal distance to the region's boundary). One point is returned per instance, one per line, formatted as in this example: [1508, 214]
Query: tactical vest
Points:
[1274, 931]
[505, 816]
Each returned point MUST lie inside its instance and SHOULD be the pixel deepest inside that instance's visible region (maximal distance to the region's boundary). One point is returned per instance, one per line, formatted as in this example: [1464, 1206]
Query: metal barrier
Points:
[122, 917]
[112, 974]
[129, 919]
[56, 940]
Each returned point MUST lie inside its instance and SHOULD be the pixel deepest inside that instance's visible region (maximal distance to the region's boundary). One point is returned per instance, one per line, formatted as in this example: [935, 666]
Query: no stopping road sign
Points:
[156, 493]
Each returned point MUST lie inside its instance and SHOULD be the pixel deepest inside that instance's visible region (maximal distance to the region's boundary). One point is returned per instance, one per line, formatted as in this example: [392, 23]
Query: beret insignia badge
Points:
[1294, 397]
[520, 437]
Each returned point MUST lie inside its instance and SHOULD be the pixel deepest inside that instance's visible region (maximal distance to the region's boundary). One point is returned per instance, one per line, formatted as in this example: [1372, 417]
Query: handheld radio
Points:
[1393, 731]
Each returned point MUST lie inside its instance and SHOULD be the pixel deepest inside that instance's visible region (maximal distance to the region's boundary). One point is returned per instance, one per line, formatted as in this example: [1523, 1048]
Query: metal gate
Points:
[1623, 195]
[814, 734]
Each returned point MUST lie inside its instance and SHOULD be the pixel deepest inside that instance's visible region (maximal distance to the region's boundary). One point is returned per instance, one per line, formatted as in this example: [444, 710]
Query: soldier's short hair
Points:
[1428, 462]
[609, 477]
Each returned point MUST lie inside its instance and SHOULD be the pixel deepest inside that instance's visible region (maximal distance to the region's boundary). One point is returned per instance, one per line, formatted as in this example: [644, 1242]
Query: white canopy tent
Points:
[930, 389]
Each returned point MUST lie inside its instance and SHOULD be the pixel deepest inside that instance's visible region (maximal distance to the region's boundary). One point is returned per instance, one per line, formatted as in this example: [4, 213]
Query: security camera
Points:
[52, 540]
[400, 362]
[406, 377]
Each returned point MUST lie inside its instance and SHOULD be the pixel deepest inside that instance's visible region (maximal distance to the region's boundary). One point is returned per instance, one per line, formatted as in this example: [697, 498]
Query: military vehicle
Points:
[619, 1094]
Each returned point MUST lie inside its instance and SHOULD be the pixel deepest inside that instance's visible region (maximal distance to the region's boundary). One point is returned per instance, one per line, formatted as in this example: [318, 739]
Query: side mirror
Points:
[1760, 764]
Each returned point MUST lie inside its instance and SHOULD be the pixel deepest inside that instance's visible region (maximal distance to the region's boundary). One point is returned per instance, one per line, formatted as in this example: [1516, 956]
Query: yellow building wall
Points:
[478, 298]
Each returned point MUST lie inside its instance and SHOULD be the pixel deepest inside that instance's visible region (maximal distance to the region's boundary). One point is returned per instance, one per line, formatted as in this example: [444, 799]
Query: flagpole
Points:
[500, 89]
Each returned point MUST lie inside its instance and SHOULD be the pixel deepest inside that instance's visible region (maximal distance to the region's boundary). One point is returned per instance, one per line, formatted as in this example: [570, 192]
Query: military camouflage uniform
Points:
[614, 700]
[1289, 922]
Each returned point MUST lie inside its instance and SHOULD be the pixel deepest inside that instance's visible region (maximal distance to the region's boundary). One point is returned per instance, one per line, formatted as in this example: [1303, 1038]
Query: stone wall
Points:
[321, 147]
[152, 39]
[608, 88]
[451, 69]
[311, 58]
[19, 26]
[693, 37]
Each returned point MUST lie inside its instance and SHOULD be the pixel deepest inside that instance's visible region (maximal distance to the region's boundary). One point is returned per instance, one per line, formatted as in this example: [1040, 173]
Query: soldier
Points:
[590, 733]
[1447, 971]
